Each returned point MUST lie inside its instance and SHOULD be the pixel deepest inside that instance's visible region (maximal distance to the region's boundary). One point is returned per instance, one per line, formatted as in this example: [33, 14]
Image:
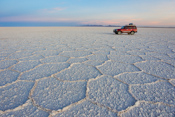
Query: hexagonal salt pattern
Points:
[94, 63]
[111, 93]
[14, 95]
[137, 78]
[98, 57]
[53, 94]
[125, 58]
[44, 70]
[33, 57]
[114, 68]
[159, 55]
[86, 109]
[78, 72]
[47, 53]
[76, 53]
[55, 59]
[86, 71]
[26, 109]
[156, 92]
[144, 109]
[4, 64]
[8, 76]
[159, 68]
[22, 54]
[26, 65]
[77, 60]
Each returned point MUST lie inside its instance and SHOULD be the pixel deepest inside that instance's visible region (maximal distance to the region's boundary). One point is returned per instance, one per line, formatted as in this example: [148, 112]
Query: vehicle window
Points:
[122, 27]
[126, 27]
[130, 27]
[134, 27]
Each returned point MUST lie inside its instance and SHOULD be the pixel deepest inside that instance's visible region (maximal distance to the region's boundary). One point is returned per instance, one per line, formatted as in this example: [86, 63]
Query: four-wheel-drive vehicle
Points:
[130, 29]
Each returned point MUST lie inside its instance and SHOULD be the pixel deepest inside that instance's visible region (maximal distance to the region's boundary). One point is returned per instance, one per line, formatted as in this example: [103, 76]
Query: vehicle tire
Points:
[119, 32]
[132, 33]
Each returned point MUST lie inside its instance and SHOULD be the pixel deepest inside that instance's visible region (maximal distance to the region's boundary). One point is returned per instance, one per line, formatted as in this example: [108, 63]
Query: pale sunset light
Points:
[86, 12]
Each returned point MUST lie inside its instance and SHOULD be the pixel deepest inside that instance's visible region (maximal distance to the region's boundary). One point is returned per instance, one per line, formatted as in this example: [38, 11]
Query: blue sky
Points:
[83, 12]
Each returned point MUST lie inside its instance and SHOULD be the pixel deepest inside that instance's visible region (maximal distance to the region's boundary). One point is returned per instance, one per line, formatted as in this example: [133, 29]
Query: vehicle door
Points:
[129, 29]
[125, 29]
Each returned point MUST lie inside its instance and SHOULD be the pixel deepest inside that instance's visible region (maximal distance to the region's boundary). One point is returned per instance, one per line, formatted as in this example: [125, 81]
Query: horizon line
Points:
[65, 24]
[94, 26]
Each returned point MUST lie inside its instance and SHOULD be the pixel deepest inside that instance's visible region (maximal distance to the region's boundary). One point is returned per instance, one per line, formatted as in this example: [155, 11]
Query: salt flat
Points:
[86, 71]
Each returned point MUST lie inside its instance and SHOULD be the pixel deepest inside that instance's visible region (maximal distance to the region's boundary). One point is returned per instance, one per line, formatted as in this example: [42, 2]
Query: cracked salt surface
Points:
[24, 66]
[8, 76]
[150, 110]
[76, 53]
[86, 71]
[94, 63]
[78, 72]
[44, 70]
[113, 68]
[27, 109]
[125, 58]
[137, 78]
[46, 53]
[77, 60]
[22, 54]
[33, 57]
[110, 93]
[158, 68]
[55, 59]
[159, 56]
[98, 57]
[172, 82]
[86, 109]
[7, 63]
[155, 92]
[53, 94]
[14, 95]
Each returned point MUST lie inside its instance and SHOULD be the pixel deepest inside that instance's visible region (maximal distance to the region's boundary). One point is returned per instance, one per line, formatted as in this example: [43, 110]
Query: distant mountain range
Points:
[89, 25]
[101, 25]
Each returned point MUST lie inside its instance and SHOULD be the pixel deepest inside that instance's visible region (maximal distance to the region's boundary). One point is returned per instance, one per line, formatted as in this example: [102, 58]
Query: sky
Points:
[87, 12]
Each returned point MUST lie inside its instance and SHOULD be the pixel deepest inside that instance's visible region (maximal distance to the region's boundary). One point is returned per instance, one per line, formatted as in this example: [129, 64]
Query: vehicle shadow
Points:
[107, 33]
